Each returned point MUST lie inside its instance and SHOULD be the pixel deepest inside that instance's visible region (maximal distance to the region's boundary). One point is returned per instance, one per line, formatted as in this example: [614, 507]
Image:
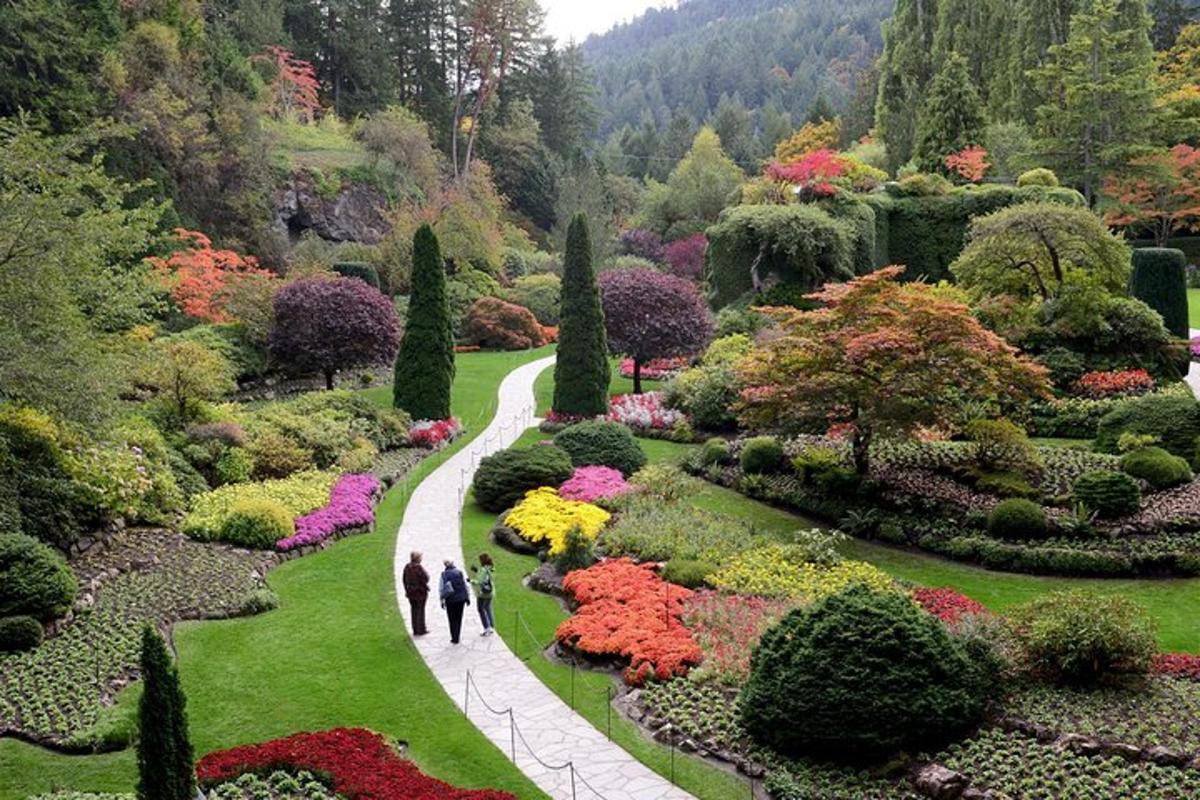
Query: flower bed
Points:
[947, 605]
[361, 765]
[434, 433]
[658, 369]
[779, 571]
[1178, 665]
[299, 494]
[351, 505]
[645, 412]
[1124, 383]
[590, 484]
[627, 610]
[727, 627]
[545, 518]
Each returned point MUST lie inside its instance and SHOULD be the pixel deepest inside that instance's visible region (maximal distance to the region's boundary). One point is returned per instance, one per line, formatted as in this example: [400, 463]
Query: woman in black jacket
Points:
[455, 597]
[416, 589]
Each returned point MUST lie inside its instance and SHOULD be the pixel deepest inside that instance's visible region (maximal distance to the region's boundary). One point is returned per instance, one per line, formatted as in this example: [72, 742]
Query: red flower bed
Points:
[728, 627]
[626, 610]
[657, 369]
[1178, 665]
[1108, 384]
[946, 604]
[361, 765]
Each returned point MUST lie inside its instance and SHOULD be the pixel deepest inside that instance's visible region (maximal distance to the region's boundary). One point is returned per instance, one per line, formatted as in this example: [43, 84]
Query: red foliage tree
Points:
[651, 315]
[815, 173]
[294, 89]
[1161, 193]
[201, 278]
[970, 164]
[324, 326]
[685, 257]
[497, 325]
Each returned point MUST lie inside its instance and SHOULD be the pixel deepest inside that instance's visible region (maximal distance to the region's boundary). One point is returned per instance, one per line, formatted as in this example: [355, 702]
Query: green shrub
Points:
[1156, 467]
[1017, 519]
[234, 466]
[581, 371]
[705, 394]
[541, 294]
[276, 456]
[1038, 177]
[1005, 483]
[1066, 366]
[577, 552]
[825, 468]
[187, 478]
[503, 478]
[860, 673]
[1160, 281]
[1175, 420]
[1109, 494]
[604, 444]
[54, 507]
[257, 524]
[19, 633]
[762, 455]
[35, 580]
[425, 362]
[651, 530]
[715, 451]
[999, 445]
[358, 269]
[1079, 637]
[259, 601]
[688, 572]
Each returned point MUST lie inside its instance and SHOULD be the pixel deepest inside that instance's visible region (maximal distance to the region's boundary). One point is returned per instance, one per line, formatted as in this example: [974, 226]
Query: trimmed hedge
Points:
[503, 478]
[20, 633]
[1109, 494]
[35, 580]
[1017, 519]
[762, 455]
[1160, 281]
[358, 269]
[603, 444]
[1174, 421]
[1156, 467]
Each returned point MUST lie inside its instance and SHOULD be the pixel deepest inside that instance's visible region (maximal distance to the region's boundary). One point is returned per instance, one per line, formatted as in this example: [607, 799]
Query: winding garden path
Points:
[542, 732]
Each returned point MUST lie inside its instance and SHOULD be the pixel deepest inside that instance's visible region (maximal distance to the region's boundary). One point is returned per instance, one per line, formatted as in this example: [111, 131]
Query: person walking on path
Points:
[455, 597]
[416, 589]
[485, 590]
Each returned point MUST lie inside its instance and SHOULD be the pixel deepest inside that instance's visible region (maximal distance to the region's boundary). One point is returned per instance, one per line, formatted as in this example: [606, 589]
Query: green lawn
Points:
[324, 146]
[1194, 306]
[334, 653]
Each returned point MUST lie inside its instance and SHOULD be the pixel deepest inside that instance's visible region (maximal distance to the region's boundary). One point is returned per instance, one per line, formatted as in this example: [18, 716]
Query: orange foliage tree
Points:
[1161, 193]
[883, 356]
[294, 89]
[813, 136]
[970, 164]
[202, 279]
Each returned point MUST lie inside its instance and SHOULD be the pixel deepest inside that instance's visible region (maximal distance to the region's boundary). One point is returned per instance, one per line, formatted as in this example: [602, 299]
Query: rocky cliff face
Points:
[354, 214]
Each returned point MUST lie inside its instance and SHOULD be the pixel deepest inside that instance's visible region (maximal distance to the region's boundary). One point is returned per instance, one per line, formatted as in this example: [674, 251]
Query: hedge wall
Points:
[1160, 281]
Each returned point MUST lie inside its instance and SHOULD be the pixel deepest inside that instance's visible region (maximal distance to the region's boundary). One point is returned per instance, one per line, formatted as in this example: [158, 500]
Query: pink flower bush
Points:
[728, 627]
[433, 433]
[645, 411]
[1178, 665]
[589, 484]
[658, 369]
[351, 505]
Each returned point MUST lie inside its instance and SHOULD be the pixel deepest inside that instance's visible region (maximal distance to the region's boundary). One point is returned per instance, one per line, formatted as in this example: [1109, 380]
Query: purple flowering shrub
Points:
[351, 505]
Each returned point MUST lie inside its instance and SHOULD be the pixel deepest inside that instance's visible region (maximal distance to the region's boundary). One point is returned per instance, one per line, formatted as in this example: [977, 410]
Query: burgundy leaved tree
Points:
[685, 257]
[326, 325]
[649, 315]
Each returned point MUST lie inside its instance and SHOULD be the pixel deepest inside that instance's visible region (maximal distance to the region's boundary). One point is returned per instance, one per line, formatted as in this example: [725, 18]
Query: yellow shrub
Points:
[781, 571]
[543, 516]
[298, 494]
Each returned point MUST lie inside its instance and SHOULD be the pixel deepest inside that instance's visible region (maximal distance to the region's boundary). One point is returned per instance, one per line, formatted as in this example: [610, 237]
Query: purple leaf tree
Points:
[649, 315]
[326, 325]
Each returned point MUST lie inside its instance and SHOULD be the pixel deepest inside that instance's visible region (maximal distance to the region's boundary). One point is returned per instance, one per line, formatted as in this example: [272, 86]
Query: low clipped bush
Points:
[1109, 494]
[860, 672]
[496, 325]
[762, 455]
[503, 478]
[257, 524]
[358, 269]
[1156, 467]
[234, 466]
[1079, 637]
[1016, 518]
[692, 573]
[1037, 177]
[20, 633]
[604, 444]
[715, 452]
[1174, 420]
[35, 580]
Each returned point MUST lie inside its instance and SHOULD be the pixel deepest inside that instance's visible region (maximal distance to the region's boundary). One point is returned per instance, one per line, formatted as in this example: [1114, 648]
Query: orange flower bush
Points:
[201, 278]
[627, 610]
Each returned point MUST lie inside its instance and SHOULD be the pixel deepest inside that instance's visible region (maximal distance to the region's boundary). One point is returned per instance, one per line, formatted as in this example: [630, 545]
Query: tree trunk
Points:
[637, 376]
[328, 379]
[861, 448]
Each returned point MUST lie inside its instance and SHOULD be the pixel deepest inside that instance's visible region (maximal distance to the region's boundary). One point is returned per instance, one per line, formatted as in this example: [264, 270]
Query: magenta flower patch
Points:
[351, 505]
[589, 484]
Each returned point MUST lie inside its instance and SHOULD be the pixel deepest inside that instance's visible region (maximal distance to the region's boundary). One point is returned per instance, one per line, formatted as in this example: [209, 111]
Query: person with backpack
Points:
[485, 590]
[455, 597]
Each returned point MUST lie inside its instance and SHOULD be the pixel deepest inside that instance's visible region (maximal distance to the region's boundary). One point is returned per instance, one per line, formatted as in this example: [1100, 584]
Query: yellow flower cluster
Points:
[299, 494]
[780, 571]
[543, 516]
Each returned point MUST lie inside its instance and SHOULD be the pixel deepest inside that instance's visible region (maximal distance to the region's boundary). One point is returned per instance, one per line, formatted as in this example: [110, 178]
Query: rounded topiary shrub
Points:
[257, 524]
[503, 478]
[1017, 519]
[602, 444]
[1174, 421]
[1037, 177]
[35, 580]
[358, 269]
[860, 674]
[1109, 494]
[762, 455]
[1083, 638]
[19, 633]
[715, 451]
[1156, 467]
[688, 572]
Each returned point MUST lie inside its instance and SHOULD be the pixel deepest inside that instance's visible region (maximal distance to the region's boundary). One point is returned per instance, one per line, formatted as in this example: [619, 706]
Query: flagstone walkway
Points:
[559, 750]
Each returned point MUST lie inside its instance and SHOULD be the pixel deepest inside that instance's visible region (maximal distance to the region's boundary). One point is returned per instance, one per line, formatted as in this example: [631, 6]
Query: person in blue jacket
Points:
[455, 597]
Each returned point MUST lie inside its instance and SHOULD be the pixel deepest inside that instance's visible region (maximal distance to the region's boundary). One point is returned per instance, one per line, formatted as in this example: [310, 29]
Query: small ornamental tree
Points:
[971, 164]
[324, 326]
[294, 90]
[188, 373]
[201, 278]
[164, 753]
[685, 257]
[650, 315]
[497, 325]
[1160, 193]
[581, 373]
[425, 365]
[882, 356]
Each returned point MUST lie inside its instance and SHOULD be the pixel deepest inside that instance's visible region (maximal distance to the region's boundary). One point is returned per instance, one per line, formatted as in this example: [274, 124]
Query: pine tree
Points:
[164, 753]
[952, 118]
[425, 363]
[582, 373]
[906, 66]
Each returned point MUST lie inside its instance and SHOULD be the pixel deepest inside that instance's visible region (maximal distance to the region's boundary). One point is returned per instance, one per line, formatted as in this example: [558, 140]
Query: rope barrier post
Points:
[572, 684]
[516, 637]
[512, 734]
[608, 690]
[467, 696]
[672, 758]
[572, 765]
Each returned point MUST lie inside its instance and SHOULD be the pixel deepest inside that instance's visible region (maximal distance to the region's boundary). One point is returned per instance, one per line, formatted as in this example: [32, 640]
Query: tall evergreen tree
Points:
[952, 117]
[905, 68]
[425, 363]
[582, 373]
[164, 753]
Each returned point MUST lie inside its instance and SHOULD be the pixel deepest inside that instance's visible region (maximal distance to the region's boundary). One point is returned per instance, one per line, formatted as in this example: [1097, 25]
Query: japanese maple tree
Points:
[884, 356]
[201, 278]
[970, 164]
[816, 173]
[293, 92]
[1161, 193]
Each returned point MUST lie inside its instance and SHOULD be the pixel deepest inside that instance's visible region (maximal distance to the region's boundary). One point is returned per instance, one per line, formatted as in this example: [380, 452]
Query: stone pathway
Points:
[1193, 377]
[543, 730]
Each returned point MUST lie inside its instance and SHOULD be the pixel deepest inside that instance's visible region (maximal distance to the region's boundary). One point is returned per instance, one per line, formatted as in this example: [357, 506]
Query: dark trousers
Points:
[454, 610]
[484, 605]
[417, 604]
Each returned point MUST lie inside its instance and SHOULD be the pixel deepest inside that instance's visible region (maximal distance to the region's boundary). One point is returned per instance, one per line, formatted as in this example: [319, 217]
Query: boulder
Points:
[940, 783]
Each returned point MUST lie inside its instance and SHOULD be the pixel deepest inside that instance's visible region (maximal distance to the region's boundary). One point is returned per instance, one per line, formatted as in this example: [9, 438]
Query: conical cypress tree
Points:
[425, 363]
[164, 753]
[952, 118]
[581, 374]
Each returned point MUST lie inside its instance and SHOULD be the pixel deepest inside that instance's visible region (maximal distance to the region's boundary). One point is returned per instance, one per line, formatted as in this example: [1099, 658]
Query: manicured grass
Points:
[335, 653]
[1194, 307]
